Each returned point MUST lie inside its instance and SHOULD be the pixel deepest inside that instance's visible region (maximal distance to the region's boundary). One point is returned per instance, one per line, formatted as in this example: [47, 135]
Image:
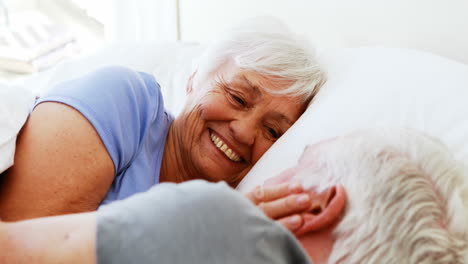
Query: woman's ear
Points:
[326, 209]
[189, 87]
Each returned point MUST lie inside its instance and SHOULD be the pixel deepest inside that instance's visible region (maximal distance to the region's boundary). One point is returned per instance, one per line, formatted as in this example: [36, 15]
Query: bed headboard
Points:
[436, 26]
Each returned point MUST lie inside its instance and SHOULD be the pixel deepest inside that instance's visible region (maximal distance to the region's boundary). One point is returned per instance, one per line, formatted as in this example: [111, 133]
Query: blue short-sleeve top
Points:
[127, 110]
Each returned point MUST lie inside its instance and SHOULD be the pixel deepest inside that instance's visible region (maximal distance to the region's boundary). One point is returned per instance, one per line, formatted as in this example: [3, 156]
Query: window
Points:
[36, 35]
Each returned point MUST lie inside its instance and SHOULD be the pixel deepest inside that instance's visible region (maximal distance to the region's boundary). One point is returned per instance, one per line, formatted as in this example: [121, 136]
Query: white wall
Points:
[143, 20]
[15, 5]
[438, 26]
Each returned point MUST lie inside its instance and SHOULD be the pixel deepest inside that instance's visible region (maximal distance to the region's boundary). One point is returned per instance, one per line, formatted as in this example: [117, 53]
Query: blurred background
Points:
[35, 35]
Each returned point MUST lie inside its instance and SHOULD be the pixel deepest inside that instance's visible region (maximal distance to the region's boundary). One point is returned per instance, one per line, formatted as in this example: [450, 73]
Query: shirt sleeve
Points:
[193, 222]
[120, 103]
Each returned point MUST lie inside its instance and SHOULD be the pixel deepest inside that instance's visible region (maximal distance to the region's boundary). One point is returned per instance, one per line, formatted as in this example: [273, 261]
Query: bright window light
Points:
[98, 10]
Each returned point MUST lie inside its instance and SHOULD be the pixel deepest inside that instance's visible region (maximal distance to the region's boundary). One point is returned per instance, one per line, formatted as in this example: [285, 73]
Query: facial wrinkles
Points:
[247, 153]
[259, 123]
[263, 109]
[185, 137]
[194, 130]
[226, 94]
[253, 87]
[253, 90]
[262, 117]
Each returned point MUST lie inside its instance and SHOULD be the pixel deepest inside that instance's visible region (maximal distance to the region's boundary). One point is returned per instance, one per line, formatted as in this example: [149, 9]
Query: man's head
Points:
[407, 199]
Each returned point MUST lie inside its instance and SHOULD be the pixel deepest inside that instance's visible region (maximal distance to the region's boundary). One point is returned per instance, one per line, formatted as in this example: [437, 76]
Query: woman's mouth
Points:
[224, 148]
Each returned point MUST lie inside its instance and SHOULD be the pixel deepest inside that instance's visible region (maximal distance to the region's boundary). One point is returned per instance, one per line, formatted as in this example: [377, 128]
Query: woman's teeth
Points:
[224, 148]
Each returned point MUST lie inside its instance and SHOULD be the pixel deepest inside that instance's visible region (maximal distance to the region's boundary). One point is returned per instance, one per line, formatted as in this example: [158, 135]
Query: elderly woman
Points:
[107, 135]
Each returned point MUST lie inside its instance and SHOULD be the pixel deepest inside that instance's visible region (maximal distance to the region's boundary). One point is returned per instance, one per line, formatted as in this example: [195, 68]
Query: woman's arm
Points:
[61, 166]
[60, 239]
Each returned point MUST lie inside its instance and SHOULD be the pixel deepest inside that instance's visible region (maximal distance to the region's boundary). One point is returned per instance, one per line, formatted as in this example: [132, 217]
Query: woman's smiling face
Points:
[232, 120]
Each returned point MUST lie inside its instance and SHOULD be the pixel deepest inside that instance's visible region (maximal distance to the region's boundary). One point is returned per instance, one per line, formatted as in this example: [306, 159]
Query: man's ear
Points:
[326, 209]
[189, 87]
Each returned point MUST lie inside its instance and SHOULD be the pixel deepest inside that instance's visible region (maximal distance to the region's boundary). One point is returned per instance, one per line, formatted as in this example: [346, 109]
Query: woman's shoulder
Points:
[107, 86]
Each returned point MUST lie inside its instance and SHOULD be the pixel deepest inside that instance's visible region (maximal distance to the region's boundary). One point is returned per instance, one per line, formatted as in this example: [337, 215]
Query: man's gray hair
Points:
[266, 45]
[407, 198]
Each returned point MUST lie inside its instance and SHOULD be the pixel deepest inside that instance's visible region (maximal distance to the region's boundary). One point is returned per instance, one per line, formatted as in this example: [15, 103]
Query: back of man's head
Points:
[407, 197]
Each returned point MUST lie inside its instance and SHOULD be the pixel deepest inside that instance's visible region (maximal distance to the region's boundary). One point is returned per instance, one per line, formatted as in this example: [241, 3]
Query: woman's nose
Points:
[244, 129]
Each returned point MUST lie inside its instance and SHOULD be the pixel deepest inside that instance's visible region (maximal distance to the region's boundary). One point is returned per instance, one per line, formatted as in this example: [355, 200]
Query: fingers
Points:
[292, 223]
[262, 194]
[292, 204]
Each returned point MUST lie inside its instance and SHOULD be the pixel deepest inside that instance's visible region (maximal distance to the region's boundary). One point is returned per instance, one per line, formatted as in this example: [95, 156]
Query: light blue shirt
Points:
[126, 108]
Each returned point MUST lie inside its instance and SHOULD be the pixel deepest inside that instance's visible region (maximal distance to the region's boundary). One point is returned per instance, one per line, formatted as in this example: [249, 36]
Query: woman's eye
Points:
[273, 133]
[238, 100]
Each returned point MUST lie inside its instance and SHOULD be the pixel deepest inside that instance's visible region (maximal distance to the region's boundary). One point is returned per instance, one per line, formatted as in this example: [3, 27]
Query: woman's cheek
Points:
[215, 109]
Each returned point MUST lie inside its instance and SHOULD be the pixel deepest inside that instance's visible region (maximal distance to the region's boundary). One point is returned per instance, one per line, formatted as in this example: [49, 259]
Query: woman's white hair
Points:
[266, 45]
[407, 198]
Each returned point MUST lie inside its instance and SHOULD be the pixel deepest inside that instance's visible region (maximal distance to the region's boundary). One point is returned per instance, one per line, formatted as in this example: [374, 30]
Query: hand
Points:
[282, 202]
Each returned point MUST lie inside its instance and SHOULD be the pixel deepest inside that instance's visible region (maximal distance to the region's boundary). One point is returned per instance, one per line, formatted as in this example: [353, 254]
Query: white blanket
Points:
[15, 105]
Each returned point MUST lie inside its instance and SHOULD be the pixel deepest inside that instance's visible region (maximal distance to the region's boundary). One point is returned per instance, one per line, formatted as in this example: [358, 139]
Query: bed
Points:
[392, 63]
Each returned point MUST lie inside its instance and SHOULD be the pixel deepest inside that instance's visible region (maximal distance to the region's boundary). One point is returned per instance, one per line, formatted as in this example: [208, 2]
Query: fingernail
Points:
[303, 199]
[295, 186]
[294, 220]
[259, 193]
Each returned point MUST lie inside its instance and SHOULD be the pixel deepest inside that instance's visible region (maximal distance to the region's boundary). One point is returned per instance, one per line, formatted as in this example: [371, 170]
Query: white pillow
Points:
[15, 106]
[376, 87]
[178, 63]
[366, 87]
[166, 60]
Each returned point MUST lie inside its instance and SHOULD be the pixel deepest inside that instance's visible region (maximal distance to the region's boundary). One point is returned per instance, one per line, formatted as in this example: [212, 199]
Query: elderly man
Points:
[405, 202]
[407, 199]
